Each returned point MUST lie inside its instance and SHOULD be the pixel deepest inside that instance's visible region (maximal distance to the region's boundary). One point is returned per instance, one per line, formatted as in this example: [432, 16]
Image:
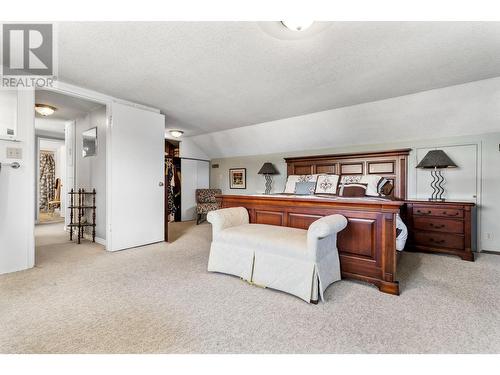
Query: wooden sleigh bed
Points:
[367, 246]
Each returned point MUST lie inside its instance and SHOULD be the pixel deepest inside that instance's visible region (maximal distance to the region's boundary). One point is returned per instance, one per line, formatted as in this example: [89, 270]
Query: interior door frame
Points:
[38, 138]
[479, 179]
[106, 100]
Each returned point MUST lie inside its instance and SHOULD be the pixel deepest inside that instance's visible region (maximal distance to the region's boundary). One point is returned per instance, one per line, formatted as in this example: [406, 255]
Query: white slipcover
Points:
[300, 262]
[403, 235]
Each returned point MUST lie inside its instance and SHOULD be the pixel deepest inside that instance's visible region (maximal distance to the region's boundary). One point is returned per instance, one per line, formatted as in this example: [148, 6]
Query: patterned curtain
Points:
[47, 179]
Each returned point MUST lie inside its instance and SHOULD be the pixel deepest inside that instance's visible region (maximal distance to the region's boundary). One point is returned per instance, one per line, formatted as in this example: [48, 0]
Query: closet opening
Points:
[173, 178]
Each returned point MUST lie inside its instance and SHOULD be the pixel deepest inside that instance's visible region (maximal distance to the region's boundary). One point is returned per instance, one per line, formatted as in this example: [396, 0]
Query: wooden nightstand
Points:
[440, 227]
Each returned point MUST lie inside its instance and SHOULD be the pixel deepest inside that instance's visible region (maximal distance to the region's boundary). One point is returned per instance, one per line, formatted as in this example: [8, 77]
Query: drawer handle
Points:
[436, 226]
[436, 241]
[425, 213]
[447, 214]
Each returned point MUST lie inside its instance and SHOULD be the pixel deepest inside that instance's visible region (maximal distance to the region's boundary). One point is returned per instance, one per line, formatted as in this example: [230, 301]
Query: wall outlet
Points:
[14, 153]
[489, 236]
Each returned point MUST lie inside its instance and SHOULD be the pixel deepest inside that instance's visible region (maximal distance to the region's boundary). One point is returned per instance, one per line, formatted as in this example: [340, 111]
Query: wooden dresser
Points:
[440, 227]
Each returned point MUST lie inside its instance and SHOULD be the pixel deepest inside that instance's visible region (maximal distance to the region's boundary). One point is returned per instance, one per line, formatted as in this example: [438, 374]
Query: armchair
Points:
[206, 202]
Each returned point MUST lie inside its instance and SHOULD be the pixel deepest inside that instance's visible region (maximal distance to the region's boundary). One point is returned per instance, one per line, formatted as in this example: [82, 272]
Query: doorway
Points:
[51, 172]
[67, 160]
[173, 180]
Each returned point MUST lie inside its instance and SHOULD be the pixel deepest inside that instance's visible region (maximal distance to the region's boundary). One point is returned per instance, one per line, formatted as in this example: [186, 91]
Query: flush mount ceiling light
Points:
[297, 25]
[176, 133]
[45, 109]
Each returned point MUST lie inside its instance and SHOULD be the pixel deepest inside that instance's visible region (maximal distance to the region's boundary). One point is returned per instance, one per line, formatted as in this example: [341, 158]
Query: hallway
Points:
[52, 245]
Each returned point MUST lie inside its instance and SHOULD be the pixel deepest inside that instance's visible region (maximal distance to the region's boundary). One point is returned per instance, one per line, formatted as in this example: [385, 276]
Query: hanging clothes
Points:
[170, 173]
[47, 179]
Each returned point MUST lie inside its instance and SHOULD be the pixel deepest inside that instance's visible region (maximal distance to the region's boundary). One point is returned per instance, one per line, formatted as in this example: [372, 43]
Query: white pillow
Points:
[294, 178]
[290, 183]
[372, 181]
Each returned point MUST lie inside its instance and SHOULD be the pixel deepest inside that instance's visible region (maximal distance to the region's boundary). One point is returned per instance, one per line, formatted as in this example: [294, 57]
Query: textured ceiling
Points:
[210, 76]
[67, 107]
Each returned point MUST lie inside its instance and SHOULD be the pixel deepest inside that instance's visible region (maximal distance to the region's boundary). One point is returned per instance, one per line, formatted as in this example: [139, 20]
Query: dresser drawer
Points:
[439, 225]
[438, 211]
[434, 239]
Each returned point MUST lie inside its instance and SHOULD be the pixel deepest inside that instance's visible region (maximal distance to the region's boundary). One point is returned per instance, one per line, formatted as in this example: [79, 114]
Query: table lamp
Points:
[268, 169]
[436, 160]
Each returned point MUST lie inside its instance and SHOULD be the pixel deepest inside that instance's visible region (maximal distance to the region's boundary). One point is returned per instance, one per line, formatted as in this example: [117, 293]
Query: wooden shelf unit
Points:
[80, 206]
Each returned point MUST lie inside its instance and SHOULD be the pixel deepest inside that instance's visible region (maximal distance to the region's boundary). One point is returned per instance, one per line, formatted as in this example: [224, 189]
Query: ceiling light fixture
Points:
[296, 25]
[176, 133]
[45, 109]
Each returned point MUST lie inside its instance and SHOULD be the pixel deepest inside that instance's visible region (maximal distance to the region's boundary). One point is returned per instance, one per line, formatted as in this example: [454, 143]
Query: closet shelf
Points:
[81, 206]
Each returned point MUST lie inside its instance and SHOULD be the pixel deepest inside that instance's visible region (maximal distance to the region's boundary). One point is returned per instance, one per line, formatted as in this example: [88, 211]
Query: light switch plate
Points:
[14, 153]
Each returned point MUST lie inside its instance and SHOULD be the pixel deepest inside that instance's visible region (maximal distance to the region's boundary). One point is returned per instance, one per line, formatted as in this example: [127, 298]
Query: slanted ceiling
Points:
[213, 76]
[468, 109]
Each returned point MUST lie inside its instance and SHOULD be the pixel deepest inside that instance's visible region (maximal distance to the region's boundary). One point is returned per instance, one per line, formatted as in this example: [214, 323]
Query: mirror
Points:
[89, 140]
[8, 114]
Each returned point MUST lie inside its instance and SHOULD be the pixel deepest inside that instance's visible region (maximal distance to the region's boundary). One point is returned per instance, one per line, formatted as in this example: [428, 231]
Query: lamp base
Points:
[269, 183]
[437, 200]
[437, 186]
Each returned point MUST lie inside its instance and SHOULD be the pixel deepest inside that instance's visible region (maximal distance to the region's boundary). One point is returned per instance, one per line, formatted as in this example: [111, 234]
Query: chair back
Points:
[57, 188]
[207, 195]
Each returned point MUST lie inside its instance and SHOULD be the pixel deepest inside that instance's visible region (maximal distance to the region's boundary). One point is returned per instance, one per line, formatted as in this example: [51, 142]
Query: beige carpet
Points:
[160, 298]
[49, 217]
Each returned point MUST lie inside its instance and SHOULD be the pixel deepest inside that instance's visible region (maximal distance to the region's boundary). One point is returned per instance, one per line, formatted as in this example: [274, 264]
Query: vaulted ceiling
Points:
[210, 76]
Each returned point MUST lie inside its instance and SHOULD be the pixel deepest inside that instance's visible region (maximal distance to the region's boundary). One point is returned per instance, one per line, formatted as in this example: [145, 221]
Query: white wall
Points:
[91, 171]
[17, 192]
[54, 127]
[8, 113]
[489, 161]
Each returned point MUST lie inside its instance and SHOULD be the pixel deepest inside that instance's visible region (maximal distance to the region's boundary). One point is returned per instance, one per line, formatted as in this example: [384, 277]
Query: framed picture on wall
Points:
[238, 178]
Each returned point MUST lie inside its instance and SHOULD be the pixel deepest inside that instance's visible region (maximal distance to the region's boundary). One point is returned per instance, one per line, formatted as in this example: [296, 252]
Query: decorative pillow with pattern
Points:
[305, 187]
[385, 187]
[352, 190]
[327, 184]
[351, 179]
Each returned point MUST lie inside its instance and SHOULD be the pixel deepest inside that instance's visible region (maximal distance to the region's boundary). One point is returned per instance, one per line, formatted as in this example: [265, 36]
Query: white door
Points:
[135, 192]
[461, 182]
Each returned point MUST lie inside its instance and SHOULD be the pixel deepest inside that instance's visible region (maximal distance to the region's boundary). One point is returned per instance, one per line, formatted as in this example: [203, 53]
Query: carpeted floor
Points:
[160, 298]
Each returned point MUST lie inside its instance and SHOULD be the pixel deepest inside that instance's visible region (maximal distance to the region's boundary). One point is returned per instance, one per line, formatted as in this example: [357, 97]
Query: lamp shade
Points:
[268, 168]
[436, 159]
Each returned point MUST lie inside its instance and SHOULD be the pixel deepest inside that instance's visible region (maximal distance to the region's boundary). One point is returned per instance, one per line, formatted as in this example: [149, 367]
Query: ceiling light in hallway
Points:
[176, 133]
[45, 109]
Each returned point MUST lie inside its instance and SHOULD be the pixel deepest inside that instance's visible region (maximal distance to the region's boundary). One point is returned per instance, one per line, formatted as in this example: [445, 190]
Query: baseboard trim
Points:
[99, 240]
[489, 252]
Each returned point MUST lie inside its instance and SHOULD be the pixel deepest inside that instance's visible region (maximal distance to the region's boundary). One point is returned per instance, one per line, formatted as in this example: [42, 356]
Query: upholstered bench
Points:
[297, 261]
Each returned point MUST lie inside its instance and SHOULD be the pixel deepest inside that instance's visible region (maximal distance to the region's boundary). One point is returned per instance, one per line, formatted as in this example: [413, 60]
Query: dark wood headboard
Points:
[393, 165]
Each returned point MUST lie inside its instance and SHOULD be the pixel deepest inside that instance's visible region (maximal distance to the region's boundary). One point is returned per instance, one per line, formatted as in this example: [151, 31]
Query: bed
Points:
[367, 246]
